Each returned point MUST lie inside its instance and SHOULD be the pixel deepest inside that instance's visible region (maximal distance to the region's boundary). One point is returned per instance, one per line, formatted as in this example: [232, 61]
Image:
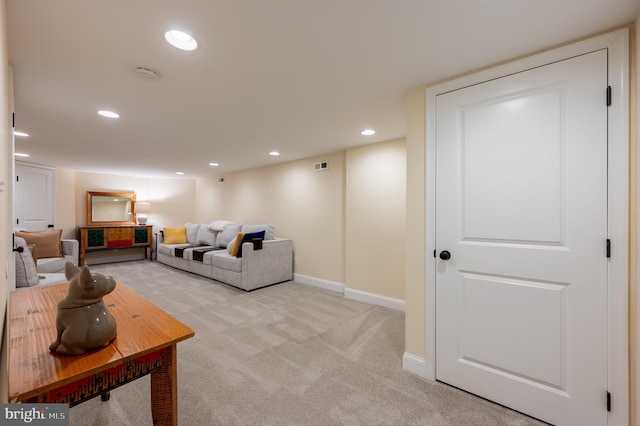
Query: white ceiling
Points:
[299, 76]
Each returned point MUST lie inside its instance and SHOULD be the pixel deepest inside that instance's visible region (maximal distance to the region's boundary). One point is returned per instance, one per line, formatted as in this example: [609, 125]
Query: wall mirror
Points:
[111, 208]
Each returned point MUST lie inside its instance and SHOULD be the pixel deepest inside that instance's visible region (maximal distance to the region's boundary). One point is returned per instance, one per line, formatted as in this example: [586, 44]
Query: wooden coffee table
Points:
[146, 344]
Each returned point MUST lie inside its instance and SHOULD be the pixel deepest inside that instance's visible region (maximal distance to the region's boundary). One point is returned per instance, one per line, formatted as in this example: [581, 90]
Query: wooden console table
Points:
[112, 237]
[145, 344]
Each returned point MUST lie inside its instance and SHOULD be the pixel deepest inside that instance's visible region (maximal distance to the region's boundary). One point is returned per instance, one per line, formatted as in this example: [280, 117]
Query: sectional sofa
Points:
[243, 255]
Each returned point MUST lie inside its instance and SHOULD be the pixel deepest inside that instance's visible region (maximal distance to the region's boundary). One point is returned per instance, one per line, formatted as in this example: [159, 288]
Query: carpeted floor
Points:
[288, 354]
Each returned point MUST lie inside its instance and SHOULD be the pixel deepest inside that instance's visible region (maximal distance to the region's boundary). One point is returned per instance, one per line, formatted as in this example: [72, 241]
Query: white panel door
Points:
[34, 197]
[521, 206]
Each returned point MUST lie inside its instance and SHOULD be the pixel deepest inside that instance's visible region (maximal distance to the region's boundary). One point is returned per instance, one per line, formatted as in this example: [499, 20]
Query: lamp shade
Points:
[143, 207]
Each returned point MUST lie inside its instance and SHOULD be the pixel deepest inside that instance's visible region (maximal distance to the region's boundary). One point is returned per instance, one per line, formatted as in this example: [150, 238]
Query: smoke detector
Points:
[147, 74]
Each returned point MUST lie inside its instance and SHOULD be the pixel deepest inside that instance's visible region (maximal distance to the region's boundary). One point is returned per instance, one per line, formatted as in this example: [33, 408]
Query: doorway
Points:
[493, 329]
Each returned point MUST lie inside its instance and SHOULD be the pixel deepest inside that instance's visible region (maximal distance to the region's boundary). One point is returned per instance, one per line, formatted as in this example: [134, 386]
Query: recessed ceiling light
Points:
[214, 164]
[108, 114]
[179, 173]
[19, 154]
[21, 134]
[368, 132]
[274, 153]
[181, 40]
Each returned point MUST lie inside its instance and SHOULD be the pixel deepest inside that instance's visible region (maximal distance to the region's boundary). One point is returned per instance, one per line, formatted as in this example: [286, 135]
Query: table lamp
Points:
[141, 208]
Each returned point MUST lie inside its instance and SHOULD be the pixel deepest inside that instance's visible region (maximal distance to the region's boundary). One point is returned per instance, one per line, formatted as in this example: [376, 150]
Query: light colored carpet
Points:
[288, 354]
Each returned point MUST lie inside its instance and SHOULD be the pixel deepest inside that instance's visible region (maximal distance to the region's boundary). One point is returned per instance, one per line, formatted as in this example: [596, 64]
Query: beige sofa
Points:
[207, 251]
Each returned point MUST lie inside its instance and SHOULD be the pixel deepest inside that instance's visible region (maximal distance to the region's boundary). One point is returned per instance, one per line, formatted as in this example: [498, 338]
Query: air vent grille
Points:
[318, 167]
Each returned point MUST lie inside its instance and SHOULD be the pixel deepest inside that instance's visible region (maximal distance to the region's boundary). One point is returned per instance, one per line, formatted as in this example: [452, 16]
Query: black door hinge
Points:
[17, 178]
[609, 401]
[434, 253]
[608, 248]
[608, 95]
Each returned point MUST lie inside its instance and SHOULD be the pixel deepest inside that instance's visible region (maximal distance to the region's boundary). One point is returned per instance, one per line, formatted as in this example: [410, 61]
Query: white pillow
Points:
[26, 272]
[227, 235]
[268, 229]
[205, 236]
[192, 232]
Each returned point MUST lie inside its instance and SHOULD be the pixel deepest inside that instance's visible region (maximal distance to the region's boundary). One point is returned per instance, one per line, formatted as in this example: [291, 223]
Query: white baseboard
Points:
[320, 283]
[374, 299]
[349, 293]
[416, 365]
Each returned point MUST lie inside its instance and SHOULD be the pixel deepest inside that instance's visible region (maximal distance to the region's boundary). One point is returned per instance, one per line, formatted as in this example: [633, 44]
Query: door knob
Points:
[445, 255]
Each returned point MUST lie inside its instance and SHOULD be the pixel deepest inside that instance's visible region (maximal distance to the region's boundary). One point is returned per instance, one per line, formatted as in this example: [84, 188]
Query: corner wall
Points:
[347, 223]
[375, 223]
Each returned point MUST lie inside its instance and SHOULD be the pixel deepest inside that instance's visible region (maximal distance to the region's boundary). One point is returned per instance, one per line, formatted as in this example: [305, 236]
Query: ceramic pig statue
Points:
[83, 321]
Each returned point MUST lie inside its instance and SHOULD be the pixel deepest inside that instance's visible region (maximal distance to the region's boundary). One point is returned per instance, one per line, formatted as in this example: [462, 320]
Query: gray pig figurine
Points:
[83, 321]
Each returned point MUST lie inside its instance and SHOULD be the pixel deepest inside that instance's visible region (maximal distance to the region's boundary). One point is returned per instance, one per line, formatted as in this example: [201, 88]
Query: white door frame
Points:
[617, 43]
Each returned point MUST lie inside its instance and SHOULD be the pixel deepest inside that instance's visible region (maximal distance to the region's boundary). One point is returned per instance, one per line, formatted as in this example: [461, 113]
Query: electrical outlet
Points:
[295, 260]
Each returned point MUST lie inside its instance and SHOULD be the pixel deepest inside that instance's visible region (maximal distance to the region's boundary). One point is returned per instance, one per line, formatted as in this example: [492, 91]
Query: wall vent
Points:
[318, 167]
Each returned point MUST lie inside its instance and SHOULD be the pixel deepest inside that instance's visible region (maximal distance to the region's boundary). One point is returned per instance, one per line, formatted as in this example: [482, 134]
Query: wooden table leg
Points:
[164, 390]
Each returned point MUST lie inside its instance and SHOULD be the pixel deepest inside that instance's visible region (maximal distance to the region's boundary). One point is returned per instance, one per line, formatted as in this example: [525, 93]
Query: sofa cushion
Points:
[175, 235]
[47, 242]
[224, 260]
[248, 237]
[205, 237]
[269, 230]
[192, 232]
[170, 249]
[26, 273]
[225, 237]
[52, 264]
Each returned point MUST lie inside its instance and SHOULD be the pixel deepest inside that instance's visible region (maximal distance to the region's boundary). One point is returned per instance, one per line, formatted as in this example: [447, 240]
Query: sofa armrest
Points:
[272, 264]
[71, 248]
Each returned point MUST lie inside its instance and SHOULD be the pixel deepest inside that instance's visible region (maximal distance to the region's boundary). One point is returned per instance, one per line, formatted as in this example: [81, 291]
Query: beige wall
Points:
[375, 219]
[6, 194]
[302, 204]
[65, 202]
[173, 201]
[634, 284]
[415, 332]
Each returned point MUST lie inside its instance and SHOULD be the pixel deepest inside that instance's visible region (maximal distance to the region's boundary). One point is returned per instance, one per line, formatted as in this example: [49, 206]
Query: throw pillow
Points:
[205, 236]
[248, 237]
[192, 231]
[26, 272]
[175, 235]
[47, 242]
[235, 244]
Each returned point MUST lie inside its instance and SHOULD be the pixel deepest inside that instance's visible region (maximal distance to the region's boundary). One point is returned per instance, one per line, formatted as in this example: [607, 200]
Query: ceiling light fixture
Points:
[368, 132]
[108, 114]
[274, 153]
[21, 134]
[19, 154]
[214, 164]
[179, 173]
[180, 40]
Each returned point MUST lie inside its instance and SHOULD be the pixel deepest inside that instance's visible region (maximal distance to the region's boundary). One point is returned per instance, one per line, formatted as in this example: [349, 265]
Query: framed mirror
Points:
[111, 208]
